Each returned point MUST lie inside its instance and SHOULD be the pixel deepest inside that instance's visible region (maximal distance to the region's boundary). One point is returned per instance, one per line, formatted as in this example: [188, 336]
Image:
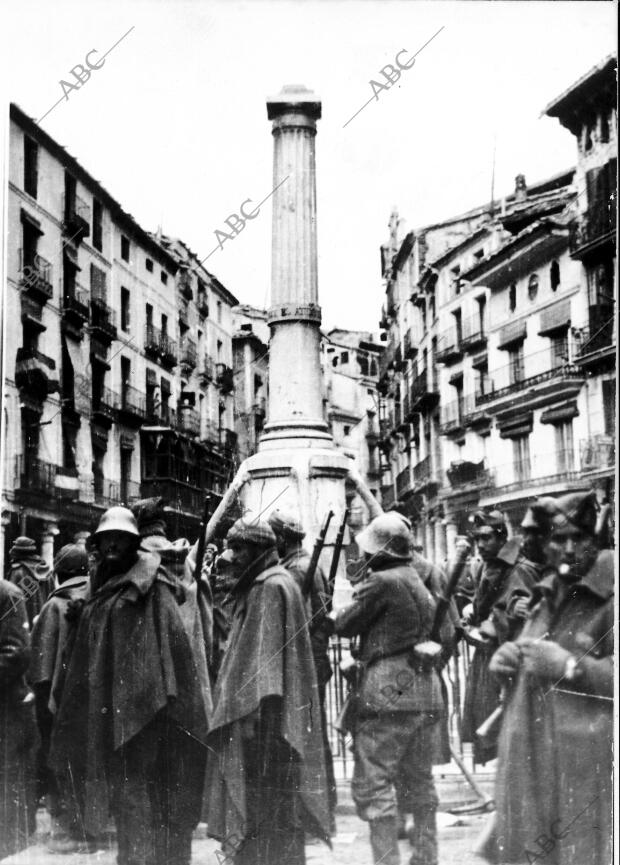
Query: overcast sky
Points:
[174, 124]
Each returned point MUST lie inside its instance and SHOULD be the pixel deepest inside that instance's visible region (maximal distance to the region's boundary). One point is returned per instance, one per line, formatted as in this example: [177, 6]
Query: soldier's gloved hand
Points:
[506, 661]
[544, 659]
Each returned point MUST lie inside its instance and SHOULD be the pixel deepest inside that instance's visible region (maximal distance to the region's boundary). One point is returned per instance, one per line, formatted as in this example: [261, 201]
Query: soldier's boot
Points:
[423, 838]
[384, 841]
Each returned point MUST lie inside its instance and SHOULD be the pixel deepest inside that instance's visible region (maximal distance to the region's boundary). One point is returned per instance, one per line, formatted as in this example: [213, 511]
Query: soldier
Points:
[505, 576]
[18, 739]
[46, 674]
[398, 694]
[289, 534]
[554, 782]
[33, 576]
[131, 723]
[266, 781]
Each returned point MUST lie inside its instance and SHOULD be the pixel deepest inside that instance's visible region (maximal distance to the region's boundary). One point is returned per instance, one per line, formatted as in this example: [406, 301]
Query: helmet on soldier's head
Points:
[118, 519]
[285, 521]
[388, 534]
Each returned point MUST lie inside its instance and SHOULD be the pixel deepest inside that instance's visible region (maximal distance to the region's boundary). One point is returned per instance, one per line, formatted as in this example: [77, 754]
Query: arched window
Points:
[604, 128]
[512, 297]
[554, 275]
[532, 286]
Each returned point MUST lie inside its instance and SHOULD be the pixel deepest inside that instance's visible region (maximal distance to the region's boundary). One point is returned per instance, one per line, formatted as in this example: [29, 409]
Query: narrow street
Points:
[457, 836]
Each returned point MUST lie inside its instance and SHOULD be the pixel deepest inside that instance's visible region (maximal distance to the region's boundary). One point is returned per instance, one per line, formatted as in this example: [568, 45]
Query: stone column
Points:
[295, 399]
[47, 543]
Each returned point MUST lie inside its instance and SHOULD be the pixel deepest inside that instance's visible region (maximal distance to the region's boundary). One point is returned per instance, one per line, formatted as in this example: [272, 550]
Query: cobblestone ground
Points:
[457, 837]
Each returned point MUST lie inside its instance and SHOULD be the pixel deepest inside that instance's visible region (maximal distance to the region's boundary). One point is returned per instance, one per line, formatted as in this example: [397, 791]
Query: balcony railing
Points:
[102, 318]
[554, 466]
[422, 392]
[104, 404]
[597, 452]
[211, 432]
[189, 352]
[591, 340]
[35, 475]
[451, 417]
[75, 303]
[26, 353]
[160, 414]
[185, 285]
[473, 413]
[464, 473]
[77, 217]
[36, 275]
[32, 310]
[179, 495]
[422, 471]
[448, 346]
[473, 334]
[594, 226]
[133, 402]
[158, 343]
[525, 373]
[224, 378]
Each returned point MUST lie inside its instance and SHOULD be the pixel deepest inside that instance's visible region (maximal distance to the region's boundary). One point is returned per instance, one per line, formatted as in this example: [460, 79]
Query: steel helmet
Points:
[118, 519]
[387, 533]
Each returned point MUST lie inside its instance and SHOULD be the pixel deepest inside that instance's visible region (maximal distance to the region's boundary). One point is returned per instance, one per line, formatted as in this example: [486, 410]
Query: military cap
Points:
[71, 560]
[246, 531]
[286, 522]
[23, 546]
[149, 514]
[494, 519]
[538, 515]
[580, 509]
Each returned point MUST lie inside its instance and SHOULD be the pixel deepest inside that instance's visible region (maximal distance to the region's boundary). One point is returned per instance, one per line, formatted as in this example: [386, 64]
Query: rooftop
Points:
[595, 89]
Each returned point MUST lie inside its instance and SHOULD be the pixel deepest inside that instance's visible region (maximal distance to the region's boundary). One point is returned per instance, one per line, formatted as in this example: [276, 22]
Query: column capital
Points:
[294, 99]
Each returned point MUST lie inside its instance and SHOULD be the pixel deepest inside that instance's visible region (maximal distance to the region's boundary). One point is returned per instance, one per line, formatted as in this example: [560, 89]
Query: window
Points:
[70, 193]
[164, 277]
[554, 275]
[456, 282]
[346, 430]
[559, 349]
[164, 324]
[458, 326]
[516, 364]
[532, 287]
[521, 457]
[124, 248]
[149, 265]
[97, 225]
[482, 303]
[431, 308]
[219, 349]
[604, 129]
[344, 357]
[219, 311]
[335, 360]
[125, 377]
[125, 469]
[31, 166]
[609, 406]
[479, 254]
[564, 446]
[149, 315]
[512, 297]
[125, 310]
[98, 288]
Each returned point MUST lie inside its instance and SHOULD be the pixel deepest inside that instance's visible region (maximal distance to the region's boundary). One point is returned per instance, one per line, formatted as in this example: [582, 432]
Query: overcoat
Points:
[18, 738]
[36, 579]
[268, 656]
[554, 781]
[500, 583]
[131, 661]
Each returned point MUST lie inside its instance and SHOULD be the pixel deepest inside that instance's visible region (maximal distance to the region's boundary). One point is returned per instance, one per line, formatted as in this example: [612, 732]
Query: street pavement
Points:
[350, 846]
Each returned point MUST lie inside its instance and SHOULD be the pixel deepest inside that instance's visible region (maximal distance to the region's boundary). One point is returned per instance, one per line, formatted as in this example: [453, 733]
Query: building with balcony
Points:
[250, 372]
[588, 111]
[111, 330]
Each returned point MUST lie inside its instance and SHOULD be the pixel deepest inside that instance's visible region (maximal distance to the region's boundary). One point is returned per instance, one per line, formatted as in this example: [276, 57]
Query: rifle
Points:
[202, 539]
[443, 602]
[337, 550]
[316, 552]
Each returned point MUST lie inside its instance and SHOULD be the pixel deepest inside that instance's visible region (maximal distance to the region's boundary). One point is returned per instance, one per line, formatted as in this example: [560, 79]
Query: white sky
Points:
[175, 126]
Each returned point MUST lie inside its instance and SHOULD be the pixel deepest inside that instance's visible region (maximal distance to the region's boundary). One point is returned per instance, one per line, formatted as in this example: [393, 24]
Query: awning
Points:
[560, 413]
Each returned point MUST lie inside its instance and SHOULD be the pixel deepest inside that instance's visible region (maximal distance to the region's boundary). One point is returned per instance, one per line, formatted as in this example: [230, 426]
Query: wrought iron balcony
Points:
[464, 473]
[158, 344]
[448, 346]
[520, 382]
[189, 353]
[102, 320]
[75, 305]
[35, 476]
[103, 406]
[202, 305]
[596, 226]
[76, 224]
[35, 275]
[537, 471]
[423, 392]
[185, 285]
[597, 452]
[206, 370]
[473, 414]
[473, 335]
[132, 404]
[188, 420]
[33, 372]
[32, 313]
[452, 418]
[160, 414]
[179, 495]
[423, 474]
[224, 378]
[595, 341]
